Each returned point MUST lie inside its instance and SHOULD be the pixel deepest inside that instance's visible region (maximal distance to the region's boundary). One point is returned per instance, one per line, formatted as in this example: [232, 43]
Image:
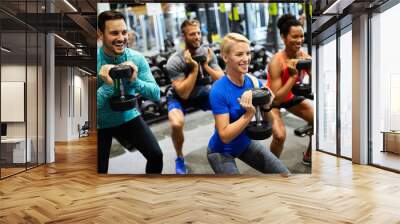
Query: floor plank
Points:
[70, 191]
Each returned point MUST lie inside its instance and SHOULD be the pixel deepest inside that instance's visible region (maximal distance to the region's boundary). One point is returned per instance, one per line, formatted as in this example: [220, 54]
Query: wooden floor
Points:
[387, 159]
[10, 171]
[70, 191]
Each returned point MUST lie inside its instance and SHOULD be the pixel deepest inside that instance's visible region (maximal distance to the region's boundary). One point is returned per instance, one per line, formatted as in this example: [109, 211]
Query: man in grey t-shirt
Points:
[187, 90]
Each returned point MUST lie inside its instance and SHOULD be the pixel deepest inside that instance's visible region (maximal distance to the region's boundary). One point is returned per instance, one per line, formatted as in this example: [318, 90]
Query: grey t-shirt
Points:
[178, 69]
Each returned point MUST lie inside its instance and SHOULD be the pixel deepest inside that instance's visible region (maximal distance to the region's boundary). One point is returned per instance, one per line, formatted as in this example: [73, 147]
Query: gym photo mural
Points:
[205, 88]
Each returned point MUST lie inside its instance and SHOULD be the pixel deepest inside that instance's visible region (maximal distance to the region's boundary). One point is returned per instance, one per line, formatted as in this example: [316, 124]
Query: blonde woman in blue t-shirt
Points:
[231, 104]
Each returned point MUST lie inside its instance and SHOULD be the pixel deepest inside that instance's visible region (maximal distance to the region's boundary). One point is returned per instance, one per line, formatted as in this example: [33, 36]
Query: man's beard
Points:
[114, 43]
[191, 45]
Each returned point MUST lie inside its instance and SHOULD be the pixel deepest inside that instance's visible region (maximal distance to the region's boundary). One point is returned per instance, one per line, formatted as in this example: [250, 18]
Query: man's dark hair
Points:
[108, 15]
[285, 22]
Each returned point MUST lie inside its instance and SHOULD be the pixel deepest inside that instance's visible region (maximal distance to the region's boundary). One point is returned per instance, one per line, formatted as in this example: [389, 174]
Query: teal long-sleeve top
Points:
[144, 84]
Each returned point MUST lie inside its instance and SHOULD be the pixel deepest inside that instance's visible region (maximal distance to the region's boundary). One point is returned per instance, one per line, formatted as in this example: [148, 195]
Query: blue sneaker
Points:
[180, 166]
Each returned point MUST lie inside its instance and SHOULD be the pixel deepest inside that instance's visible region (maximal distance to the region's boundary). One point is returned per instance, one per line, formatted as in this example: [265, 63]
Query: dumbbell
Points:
[161, 62]
[304, 131]
[149, 109]
[301, 88]
[260, 74]
[217, 53]
[149, 61]
[307, 130]
[220, 60]
[259, 129]
[159, 76]
[120, 101]
[202, 78]
[163, 105]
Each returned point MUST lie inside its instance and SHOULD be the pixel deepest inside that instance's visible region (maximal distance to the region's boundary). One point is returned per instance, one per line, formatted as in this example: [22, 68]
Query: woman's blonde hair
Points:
[230, 39]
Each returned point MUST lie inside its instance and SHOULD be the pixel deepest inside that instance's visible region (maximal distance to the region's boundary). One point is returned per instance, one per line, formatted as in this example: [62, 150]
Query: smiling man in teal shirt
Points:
[128, 127]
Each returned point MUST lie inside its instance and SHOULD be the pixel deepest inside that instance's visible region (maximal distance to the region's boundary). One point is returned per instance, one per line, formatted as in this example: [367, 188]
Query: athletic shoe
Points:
[180, 166]
[307, 158]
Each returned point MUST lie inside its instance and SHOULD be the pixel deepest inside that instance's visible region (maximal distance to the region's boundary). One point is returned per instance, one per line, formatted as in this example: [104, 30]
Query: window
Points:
[22, 67]
[385, 87]
[346, 94]
[326, 138]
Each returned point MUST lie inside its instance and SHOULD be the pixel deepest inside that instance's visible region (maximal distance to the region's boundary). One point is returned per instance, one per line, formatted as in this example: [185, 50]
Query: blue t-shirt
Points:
[223, 100]
[144, 84]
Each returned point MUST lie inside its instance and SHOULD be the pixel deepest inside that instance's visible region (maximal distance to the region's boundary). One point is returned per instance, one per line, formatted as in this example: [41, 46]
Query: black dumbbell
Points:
[163, 105]
[149, 109]
[159, 76]
[260, 74]
[120, 101]
[221, 61]
[300, 88]
[200, 59]
[217, 52]
[202, 78]
[149, 61]
[160, 61]
[259, 129]
[304, 131]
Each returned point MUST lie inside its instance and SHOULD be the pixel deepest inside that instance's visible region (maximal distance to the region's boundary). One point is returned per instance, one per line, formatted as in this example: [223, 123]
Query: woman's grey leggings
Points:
[256, 156]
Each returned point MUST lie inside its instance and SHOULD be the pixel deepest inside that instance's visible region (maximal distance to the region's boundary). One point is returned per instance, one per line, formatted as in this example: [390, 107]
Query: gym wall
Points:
[71, 101]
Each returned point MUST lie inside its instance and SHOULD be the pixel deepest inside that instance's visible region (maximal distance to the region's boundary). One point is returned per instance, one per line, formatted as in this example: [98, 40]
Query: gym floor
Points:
[199, 126]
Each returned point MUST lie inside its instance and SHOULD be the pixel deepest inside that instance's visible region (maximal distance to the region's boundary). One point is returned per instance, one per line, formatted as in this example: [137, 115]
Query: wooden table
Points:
[391, 141]
[13, 150]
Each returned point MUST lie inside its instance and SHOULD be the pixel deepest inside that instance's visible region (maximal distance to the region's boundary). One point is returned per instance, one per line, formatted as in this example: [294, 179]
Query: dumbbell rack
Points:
[159, 115]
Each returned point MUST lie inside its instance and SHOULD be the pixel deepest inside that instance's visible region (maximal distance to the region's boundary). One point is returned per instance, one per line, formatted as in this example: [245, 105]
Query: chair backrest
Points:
[86, 125]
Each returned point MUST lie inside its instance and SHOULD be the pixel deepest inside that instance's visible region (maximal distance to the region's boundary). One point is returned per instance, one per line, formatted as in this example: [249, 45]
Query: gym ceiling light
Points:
[337, 7]
[5, 50]
[65, 41]
[70, 5]
[84, 71]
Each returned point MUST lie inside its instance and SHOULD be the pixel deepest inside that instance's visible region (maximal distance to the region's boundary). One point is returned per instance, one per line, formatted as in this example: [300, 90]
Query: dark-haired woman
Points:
[282, 75]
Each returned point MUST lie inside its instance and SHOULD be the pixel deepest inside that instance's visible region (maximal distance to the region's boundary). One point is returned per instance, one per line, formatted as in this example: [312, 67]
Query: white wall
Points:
[80, 104]
[12, 73]
[71, 94]
[61, 103]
